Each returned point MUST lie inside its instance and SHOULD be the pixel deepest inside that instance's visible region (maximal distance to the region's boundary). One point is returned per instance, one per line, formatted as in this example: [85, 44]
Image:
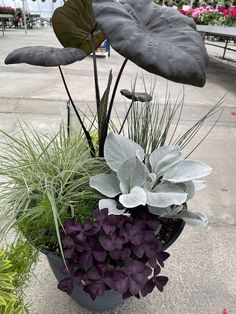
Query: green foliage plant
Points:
[47, 183]
[16, 264]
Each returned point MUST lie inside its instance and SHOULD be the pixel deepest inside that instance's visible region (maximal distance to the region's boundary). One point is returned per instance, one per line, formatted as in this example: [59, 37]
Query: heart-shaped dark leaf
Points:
[45, 56]
[136, 96]
[66, 285]
[75, 26]
[160, 282]
[158, 39]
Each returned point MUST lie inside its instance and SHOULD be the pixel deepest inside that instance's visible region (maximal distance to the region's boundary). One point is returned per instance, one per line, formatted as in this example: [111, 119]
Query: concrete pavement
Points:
[202, 265]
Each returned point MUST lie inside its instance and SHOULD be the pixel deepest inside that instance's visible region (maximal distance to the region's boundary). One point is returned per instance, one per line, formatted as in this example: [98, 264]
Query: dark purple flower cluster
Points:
[113, 252]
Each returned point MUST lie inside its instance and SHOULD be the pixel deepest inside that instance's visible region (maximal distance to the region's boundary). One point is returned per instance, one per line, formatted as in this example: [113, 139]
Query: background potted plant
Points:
[16, 265]
[57, 183]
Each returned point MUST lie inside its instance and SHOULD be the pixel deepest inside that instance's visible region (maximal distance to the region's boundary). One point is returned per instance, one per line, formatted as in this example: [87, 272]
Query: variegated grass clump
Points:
[47, 182]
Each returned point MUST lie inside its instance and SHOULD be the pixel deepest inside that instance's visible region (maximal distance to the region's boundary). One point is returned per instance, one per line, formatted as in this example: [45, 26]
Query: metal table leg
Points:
[225, 48]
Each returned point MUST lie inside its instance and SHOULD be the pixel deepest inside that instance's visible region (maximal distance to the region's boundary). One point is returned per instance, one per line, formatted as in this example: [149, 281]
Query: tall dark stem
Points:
[126, 116]
[115, 89]
[101, 146]
[95, 71]
[86, 133]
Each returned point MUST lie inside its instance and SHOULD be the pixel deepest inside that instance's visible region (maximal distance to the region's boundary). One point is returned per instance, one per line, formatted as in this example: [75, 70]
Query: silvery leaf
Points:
[165, 195]
[165, 212]
[151, 180]
[194, 219]
[112, 207]
[175, 210]
[162, 158]
[132, 173]
[136, 197]
[119, 148]
[160, 211]
[199, 184]
[186, 170]
[189, 188]
[106, 184]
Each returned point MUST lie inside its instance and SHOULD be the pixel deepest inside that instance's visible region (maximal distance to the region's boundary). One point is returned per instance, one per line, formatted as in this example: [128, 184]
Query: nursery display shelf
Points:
[227, 33]
[2, 17]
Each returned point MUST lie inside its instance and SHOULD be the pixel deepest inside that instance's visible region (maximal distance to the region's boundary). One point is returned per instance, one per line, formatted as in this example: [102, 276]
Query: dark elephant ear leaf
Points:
[158, 39]
[74, 25]
[136, 96]
[45, 56]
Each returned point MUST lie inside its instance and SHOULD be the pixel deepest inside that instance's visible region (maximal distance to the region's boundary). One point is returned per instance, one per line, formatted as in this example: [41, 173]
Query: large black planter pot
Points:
[110, 299]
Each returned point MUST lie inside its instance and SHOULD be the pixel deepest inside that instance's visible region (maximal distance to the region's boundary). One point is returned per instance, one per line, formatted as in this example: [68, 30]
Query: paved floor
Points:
[202, 266]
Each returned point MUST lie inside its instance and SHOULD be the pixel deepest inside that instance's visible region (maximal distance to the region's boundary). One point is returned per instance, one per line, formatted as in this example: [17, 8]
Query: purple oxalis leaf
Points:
[96, 288]
[93, 274]
[151, 248]
[86, 259]
[70, 253]
[160, 282]
[100, 255]
[111, 243]
[68, 242]
[80, 238]
[148, 287]
[157, 270]
[138, 250]
[79, 274]
[68, 270]
[66, 285]
[87, 225]
[149, 236]
[72, 226]
[100, 215]
[134, 287]
[153, 224]
[133, 267]
[121, 282]
[161, 257]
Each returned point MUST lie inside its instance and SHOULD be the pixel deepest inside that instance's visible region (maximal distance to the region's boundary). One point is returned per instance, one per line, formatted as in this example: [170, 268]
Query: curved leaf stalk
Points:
[95, 71]
[126, 116]
[101, 148]
[131, 105]
[86, 133]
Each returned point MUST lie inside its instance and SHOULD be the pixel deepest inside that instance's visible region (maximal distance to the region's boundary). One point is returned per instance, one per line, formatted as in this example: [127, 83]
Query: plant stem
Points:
[101, 148]
[86, 133]
[126, 116]
[95, 71]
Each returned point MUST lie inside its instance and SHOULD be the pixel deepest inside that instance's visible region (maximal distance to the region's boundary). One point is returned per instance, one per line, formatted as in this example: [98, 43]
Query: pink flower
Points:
[195, 14]
[233, 13]
[225, 311]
